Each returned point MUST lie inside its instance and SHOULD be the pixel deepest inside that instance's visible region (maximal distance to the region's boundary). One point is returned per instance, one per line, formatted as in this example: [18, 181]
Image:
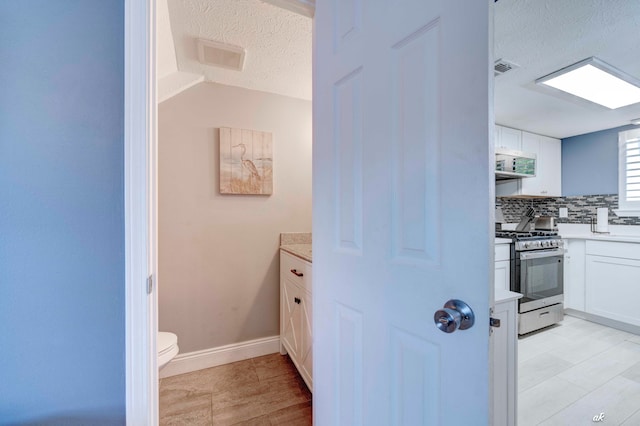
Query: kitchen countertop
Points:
[502, 295]
[303, 251]
[620, 233]
[503, 241]
[603, 237]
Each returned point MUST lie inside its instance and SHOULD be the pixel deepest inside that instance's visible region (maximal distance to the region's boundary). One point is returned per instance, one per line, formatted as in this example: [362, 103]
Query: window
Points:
[629, 173]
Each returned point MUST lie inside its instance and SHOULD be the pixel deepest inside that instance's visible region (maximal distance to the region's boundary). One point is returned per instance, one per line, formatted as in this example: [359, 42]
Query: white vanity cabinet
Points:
[613, 280]
[296, 336]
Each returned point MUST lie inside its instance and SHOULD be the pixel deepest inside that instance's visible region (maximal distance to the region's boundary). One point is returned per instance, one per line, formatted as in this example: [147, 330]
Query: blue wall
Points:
[62, 321]
[590, 163]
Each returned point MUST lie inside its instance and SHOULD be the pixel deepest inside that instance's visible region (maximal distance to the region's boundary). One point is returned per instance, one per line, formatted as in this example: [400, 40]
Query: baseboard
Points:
[207, 358]
[619, 325]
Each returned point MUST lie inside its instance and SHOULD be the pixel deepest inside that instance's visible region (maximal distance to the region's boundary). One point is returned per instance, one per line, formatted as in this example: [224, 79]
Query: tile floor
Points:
[567, 374]
[259, 392]
[571, 372]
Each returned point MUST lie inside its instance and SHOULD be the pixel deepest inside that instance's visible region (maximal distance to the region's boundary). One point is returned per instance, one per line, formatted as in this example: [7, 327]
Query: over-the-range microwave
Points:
[512, 164]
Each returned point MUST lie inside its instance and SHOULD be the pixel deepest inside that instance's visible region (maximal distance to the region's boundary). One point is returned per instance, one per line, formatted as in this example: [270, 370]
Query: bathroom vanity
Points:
[295, 307]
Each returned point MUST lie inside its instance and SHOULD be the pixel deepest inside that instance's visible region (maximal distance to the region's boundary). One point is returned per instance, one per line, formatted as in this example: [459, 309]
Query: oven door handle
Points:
[540, 254]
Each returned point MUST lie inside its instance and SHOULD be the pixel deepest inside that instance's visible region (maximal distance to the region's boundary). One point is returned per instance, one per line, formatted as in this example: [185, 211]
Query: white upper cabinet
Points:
[548, 180]
[508, 138]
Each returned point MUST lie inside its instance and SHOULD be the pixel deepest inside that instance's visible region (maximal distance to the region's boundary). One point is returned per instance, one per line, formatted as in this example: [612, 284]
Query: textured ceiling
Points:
[541, 36]
[277, 43]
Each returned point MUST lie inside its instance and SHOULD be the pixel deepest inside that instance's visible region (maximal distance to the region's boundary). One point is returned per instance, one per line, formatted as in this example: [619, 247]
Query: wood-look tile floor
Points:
[259, 392]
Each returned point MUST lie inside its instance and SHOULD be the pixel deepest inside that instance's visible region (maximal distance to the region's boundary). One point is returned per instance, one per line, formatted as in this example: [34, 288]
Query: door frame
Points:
[140, 193]
[140, 144]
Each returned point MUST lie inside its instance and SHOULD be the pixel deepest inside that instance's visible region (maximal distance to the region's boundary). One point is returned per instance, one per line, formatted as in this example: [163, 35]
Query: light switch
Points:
[563, 212]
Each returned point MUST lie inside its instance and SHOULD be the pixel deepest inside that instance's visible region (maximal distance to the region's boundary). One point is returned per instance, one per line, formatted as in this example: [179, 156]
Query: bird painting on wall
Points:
[248, 164]
[245, 162]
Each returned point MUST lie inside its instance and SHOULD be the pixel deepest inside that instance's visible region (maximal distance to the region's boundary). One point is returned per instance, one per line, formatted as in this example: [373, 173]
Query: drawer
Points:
[502, 252]
[613, 249]
[295, 269]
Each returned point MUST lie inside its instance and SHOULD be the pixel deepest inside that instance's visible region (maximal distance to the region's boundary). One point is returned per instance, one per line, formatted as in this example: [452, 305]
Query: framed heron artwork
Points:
[246, 162]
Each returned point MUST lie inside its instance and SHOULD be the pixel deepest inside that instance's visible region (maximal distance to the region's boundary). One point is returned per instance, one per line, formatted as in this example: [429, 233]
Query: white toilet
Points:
[167, 348]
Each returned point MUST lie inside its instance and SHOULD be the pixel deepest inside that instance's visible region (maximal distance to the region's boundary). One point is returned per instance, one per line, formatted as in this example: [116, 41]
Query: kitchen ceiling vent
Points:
[502, 66]
[221, 55]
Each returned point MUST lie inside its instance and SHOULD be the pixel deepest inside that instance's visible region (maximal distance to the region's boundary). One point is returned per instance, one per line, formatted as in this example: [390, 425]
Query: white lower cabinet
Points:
[602, 278]
[306, 350]
[574, 278]
[613, 280]
[505, 350]
[502, 274]
[296, 337]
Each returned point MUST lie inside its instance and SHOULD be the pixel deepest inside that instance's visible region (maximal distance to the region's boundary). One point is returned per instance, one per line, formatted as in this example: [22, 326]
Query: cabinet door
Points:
[508, 138]
[290, 308]
[551, 154]
[574, 282]
[547, 182]
[505, 341]
[613, 288]
[306, 348]
[502, 274]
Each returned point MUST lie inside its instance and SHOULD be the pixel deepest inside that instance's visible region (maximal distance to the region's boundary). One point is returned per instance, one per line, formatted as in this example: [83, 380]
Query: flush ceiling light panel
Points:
[595, 81]
[221, 54]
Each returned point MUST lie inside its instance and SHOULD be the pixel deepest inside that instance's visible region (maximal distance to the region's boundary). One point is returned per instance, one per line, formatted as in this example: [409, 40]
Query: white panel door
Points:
[402, 211]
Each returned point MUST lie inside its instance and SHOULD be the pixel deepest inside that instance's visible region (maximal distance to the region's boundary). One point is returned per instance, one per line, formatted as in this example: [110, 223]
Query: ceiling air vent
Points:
[220, 54]
[302, 7]
[502, 65]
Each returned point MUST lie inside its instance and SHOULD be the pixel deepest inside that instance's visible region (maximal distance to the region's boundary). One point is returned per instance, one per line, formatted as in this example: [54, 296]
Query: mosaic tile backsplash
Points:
[581, 208]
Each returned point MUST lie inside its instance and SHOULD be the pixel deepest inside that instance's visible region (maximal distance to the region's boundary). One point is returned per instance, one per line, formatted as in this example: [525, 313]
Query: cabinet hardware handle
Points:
[297, 300]
[544, 313]
[296, 273]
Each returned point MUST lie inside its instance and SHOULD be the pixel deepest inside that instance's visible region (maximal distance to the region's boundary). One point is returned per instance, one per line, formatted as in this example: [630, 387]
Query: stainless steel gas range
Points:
[537, 259]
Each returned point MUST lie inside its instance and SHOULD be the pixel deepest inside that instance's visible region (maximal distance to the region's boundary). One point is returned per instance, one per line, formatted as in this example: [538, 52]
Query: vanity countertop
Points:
[297, 244]
[303, 251]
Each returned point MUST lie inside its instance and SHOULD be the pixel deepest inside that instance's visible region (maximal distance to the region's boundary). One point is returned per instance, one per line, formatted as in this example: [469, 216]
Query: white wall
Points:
[218, 254]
